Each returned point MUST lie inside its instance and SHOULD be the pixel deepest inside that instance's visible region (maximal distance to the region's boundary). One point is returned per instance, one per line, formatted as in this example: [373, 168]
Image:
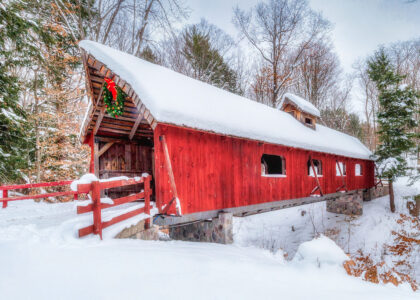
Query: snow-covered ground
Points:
[41, 257]
[286, 229]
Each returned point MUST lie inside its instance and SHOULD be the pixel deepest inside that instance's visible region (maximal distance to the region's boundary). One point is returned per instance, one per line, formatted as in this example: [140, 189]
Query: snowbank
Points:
[41, 258]
[320, 251]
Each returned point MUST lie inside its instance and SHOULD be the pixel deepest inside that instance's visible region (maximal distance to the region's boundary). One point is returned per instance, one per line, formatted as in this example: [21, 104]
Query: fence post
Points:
[96, 199]
[5, 195]
[147, 201]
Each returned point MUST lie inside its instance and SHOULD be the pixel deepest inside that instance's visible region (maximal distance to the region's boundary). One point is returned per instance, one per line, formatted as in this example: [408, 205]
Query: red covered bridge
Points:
[209, 150]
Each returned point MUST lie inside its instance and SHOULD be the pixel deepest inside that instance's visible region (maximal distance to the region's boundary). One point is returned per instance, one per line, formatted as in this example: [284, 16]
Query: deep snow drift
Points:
[41, 258]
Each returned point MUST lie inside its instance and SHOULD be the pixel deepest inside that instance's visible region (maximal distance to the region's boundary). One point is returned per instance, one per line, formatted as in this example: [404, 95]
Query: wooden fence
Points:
[6, 188]
[94, 188]
[96, 207]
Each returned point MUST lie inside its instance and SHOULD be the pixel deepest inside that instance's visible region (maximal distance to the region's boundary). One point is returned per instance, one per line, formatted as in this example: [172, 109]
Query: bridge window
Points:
[340, 166]
[317, 166]
[273, 165]
[358, 170]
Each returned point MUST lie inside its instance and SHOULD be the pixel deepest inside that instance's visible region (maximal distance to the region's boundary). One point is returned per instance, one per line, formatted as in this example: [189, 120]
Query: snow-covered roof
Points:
[302, 104]
[177, 99]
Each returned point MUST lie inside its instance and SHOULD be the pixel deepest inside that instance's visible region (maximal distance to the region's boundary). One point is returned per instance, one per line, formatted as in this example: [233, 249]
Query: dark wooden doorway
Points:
[125, 158]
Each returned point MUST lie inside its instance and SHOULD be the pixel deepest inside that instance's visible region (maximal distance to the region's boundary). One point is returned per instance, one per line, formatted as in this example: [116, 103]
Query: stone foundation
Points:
[217, 230]
[138, 231]
[348, 204]
[377, 192]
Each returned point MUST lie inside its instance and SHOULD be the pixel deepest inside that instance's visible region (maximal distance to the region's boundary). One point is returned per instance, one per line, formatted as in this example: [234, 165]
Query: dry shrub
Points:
[362, 265]
[403, 248]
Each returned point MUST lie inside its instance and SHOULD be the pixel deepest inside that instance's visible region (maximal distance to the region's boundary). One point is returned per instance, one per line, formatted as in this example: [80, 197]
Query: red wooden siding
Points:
[215, 172]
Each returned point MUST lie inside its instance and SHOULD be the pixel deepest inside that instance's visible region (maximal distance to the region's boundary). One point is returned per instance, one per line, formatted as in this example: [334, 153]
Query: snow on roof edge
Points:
[163, 91]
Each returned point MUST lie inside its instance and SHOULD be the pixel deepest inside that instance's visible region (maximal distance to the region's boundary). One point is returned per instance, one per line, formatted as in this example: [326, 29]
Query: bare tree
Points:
[318, 77]
[280, 31]
[369, 94]
[131, 24]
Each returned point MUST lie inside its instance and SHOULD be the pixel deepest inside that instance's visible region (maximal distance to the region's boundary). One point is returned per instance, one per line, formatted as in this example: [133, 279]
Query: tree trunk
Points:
[37, 141]
[414, 206]
[391, 196]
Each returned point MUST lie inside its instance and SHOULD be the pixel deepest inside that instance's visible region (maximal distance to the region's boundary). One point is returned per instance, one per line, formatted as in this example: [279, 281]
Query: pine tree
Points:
[206, 62]
[56, 90]
[39, 63]
[16, 49]
[395, 119]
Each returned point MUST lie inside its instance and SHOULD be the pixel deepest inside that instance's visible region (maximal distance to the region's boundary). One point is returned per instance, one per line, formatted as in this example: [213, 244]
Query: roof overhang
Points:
[136, 123]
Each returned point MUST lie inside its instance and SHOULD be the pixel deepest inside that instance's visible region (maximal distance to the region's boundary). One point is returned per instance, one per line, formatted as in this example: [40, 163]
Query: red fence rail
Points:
[96, 207]
[6, 188]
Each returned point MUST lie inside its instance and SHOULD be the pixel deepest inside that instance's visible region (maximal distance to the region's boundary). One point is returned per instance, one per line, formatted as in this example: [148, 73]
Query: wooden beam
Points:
[170, 173]
[99, 120]
[316, 177]
[135, 126]
[87, 74]
[170, 220]
[122, 140]
[96, 159]
[100, 95]
[105, 148]
[342, 177]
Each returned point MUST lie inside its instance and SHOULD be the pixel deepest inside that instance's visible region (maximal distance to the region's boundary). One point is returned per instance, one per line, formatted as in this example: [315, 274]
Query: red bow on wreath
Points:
[111, 87]
[114, 98]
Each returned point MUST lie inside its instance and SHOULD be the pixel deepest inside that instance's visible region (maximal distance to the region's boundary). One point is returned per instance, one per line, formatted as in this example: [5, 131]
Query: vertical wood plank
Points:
[96, 199]
[96, 159]
[5, 194]
[127, 157]
[147, 194]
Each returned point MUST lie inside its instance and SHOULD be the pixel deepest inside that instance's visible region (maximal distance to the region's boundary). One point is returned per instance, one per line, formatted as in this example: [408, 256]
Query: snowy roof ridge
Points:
[177, 99]
[301, 103]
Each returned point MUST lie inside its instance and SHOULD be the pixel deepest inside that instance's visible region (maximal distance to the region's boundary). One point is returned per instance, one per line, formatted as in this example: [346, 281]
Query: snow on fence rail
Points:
[95, 188]
[6, 188]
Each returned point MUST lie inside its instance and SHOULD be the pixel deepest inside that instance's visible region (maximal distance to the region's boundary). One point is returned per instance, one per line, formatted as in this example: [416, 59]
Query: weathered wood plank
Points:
[169, 168]
[96, 159]
[135, 126]
[99, 120]
[127, 153]
[105, 148]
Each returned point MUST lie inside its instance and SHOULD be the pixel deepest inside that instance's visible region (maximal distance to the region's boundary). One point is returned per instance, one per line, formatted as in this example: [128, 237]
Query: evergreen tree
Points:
[16, 48]
[354, 126]
[39, 58]
[395, 119]
[55, 89]
[206, 62]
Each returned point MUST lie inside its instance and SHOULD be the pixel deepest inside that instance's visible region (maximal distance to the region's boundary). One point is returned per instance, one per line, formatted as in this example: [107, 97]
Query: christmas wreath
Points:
[114, 98]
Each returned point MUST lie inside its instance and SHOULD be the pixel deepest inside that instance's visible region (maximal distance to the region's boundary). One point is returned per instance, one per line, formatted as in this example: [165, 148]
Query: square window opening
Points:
[340, 166]
[273, 165]
[358, 170]
[317, 166]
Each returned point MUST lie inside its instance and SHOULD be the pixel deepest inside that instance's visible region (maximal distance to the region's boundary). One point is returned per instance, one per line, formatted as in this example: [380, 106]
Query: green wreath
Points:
[114, 108]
